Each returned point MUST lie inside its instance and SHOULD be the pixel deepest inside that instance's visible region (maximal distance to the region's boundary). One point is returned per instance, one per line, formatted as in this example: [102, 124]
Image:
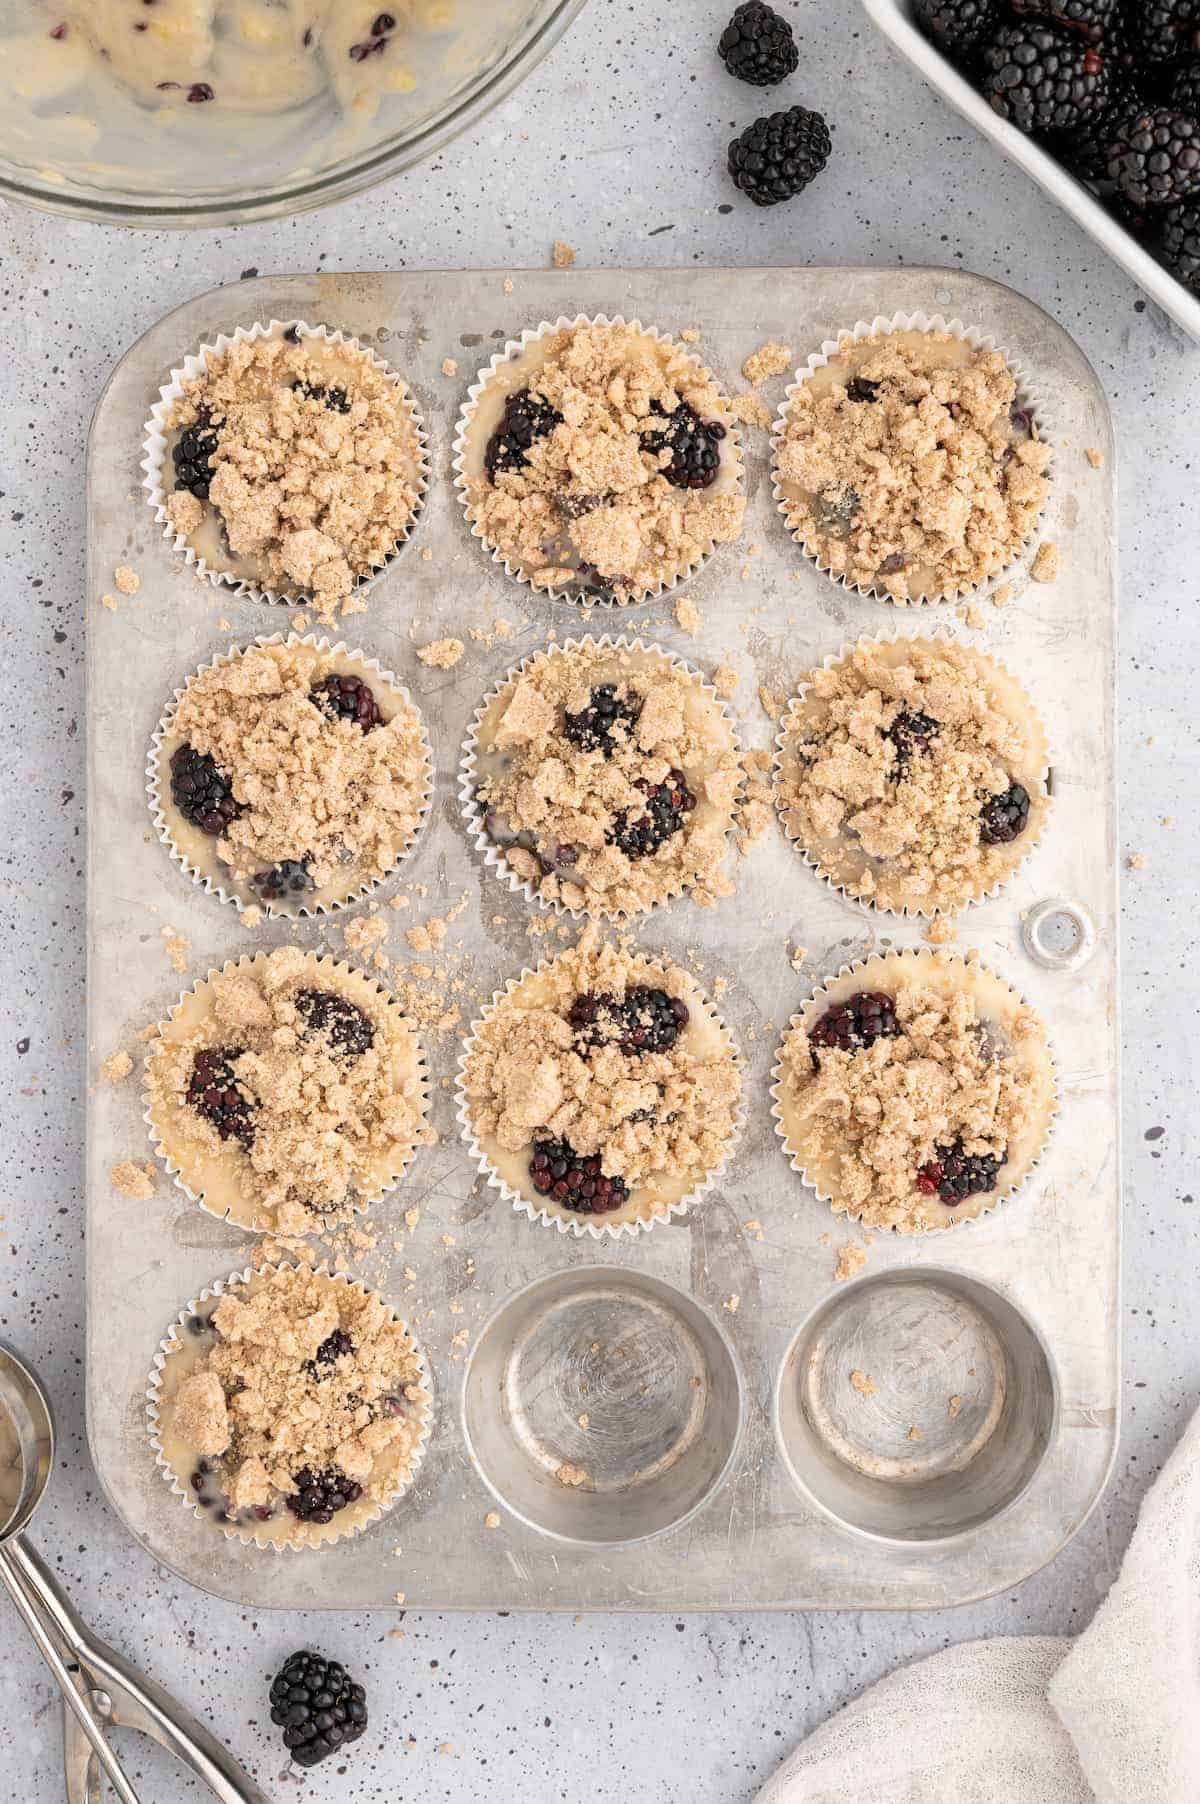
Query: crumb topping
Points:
[645, 1115]
[135, 1181]
[581, 490]
[302, 1075]
[311, 786]
[882, 1117]
[888, 764]
[304, 1375]
[608, 777]
[315, 466]
[907, 465]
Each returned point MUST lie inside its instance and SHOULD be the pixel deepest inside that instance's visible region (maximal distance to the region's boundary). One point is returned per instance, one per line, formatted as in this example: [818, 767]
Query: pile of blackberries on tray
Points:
[1111, 88]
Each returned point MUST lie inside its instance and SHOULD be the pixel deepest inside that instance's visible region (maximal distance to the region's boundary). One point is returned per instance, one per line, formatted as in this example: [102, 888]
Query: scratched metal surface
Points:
[1054, 1251]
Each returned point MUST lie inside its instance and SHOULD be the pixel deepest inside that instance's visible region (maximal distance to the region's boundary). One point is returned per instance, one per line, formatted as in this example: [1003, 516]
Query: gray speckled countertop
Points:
[616, 145]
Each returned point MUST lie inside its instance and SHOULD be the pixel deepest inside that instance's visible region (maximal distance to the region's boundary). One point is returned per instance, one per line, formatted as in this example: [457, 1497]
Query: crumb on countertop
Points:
[954, 1404]
[562, 254]
[116, 1067]
[850, 1261]
[940, 931]
[1136, 861]
[752, 410]
[725, 679]
[449, 366]
[176, 948]
[863, 1383]
[1094, 457]
[252, 916]
[770, 359]
[687, 616]
[491, 1520]
[128, 581]
[567, 1474]
[1002, 596]
[110, 602]
[914, 1434]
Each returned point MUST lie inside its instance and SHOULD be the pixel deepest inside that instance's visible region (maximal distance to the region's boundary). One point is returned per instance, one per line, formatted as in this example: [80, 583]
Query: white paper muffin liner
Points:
[474, 813]
[339, 968]
[222, 887]
[326, 1534]
[158, 482]
[907, 961]
[588, 1226]
[934, 633]
[1028, 397]
[514, 348]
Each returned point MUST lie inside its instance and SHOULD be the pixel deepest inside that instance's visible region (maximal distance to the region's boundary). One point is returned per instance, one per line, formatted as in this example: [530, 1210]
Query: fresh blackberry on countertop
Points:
[692, 442]
[1185, 89]
[320, 1495]
[328, 1012]
[214, 1094]
[290, 877]
[911, 731]
[1179, 247]
[1156, 159]
[318, 1706]
[955, 1175]
[192, 455]
[779, 155]
[1005, 817]
[525, 419]
[757, 45]
[1046, 81]
[346, 698]
[1089, 19]
[1167, 29]
[667, 805]
[856, 1023]
[957, 27]
[647, 1020]
[593, 729]
[578, 1184]
[201, 791]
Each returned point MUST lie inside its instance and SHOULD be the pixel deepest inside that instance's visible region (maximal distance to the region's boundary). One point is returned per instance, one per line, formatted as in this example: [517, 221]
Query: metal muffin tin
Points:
[723, 1461]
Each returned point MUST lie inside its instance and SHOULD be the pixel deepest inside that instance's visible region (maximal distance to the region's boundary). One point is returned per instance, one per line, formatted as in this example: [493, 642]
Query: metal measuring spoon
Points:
[99, 1687]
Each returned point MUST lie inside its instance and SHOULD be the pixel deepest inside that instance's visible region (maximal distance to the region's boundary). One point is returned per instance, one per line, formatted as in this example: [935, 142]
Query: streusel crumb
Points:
[315, 467]
[442, 654]
[288, 1091]
[1047, 565]
[116, 1067]
[298, 1375]
[906, 465]
[133, 1180]
[898, 767]
[770, 359]
[608, 779]
[590, 490]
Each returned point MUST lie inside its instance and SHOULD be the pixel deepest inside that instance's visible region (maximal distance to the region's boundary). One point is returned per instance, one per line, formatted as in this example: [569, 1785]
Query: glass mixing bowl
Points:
[92, 123]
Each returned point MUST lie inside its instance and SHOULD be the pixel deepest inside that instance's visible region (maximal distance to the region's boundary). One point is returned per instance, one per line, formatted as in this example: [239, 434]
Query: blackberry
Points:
[1185, 89]
[201, 791]
[346, 698]
[1087, 150]
[858, 1022]
[1091, 20]
[666, 806]
[193, 453]
[860, 389]
[331, 1349]
[335, 399]
[347, 1028]
[1156, 159]
[526, 418]
[779, 155]
[213, 1092]
[557, 1171]
[1044, 80]
[1168, 29]
[692, 442]
[957, 27]
[592, 729]
[911, 732]
[1180, 246]
[290, 877]
[1004, 818]
[955, 1175]
[648, 1020]
[757, 45]
[318, 1706]
[320, 1495]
